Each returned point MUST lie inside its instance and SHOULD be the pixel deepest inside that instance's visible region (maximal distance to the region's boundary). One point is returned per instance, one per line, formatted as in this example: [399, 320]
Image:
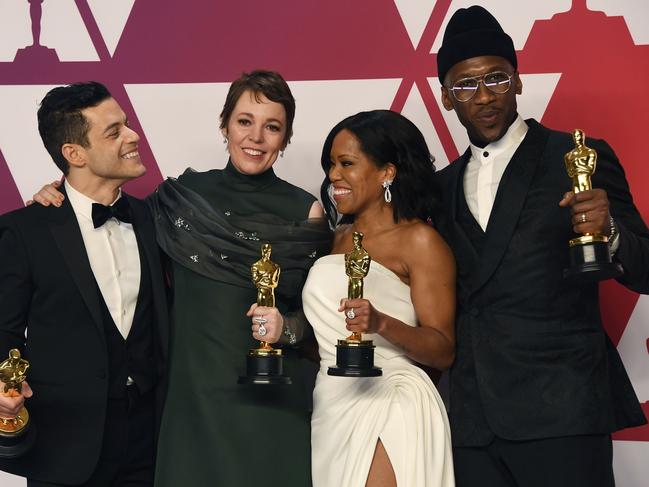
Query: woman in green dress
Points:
[212, 226]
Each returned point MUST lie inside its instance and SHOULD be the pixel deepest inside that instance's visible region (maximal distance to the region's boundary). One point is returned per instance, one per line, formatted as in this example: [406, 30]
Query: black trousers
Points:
[127, 454]
[572, 461]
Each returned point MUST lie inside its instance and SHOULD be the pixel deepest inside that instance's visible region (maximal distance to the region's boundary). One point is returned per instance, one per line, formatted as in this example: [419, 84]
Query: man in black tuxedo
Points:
[84, 282]
[537, 387]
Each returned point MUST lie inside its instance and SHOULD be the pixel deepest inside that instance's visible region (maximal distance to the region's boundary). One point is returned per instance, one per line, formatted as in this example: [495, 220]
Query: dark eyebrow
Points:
[492, 69]
[252, 116]
[112, 126]
[467, 75]
[347, 156]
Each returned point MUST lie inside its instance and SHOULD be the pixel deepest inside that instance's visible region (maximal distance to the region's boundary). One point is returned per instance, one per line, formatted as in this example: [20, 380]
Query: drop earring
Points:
[387, 195]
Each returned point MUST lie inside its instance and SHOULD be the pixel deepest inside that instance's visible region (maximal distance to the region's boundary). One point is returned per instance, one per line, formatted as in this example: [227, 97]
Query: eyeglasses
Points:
[497, 82]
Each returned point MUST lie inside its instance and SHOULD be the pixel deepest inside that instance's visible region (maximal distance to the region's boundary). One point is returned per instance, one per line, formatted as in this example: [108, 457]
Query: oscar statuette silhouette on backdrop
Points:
[36, 52]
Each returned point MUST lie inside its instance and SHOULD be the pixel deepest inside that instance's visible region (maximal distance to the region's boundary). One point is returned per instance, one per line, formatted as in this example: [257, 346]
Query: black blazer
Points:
[47, 288]
[533, 360]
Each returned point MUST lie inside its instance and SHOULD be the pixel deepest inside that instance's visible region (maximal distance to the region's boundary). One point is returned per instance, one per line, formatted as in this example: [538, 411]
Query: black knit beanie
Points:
[473, 32]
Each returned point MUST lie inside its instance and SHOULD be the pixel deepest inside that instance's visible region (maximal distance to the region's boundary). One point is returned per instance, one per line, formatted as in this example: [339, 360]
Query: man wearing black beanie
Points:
[537, 387]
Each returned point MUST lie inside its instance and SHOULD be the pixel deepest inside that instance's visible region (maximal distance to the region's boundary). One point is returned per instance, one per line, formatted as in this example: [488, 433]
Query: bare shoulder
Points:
[316, 210]
[425, 245]
[422, 237]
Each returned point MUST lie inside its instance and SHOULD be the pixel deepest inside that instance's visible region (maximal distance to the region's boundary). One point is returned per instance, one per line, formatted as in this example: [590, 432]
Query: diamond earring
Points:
[387, 195]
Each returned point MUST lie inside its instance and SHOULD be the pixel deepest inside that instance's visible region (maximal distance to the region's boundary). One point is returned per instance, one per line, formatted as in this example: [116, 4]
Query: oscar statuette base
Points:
[264, 366]
[590, 260]
[37, 55]
[355, 359]
[16, 436]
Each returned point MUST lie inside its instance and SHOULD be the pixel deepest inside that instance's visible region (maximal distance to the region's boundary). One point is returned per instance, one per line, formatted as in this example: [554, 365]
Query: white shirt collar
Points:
[515, 133]
[82, 204]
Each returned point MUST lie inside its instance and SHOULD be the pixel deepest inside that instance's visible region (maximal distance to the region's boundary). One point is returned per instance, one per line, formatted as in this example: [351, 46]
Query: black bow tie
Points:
[120, 210]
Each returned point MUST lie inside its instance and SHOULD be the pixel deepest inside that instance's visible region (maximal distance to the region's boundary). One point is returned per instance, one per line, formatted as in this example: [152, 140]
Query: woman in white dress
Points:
[390, 430]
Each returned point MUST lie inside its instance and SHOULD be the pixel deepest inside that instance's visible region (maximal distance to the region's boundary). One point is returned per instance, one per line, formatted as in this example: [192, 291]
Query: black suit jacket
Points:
[47, 288]
[533, 360]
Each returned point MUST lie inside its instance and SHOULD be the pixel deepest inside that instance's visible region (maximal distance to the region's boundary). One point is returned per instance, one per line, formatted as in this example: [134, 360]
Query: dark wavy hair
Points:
[261, 82]
[389, 137]
[60, 120]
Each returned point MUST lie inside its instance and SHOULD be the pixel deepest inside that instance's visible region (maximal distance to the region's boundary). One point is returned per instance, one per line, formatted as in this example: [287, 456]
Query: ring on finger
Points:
[262, 330]
[260, 320]
[350, 314]
[583, 218]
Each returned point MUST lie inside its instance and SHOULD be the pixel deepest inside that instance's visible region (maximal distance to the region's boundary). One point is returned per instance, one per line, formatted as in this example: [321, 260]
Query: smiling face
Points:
[256, 132]
[487, 115]
[112, 152]
[356, 180]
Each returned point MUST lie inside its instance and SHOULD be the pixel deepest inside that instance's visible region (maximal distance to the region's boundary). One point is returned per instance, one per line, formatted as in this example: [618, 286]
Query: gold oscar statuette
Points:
[16, 433]
[590, 259]
[264, 364]
[355, 356]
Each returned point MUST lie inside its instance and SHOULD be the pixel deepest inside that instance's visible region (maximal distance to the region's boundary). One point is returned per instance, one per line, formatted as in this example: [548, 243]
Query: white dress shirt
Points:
[114, 259]
[485, 170]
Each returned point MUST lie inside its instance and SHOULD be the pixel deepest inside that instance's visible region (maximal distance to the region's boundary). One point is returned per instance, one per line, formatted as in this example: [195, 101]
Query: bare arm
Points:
[431, 270]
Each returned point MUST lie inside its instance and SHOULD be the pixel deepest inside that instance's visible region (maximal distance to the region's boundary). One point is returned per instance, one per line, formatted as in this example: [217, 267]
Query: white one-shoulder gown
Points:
[402, 408]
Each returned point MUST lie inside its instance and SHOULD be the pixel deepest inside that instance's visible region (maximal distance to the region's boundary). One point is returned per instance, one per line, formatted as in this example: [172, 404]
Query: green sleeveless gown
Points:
[215, 432]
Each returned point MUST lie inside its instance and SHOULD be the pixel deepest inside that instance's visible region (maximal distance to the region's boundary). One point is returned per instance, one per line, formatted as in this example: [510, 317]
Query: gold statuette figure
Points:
[357, 265]
[13, 373]
[264, 364]
[16, 434]
[355, 356]
[580, 163]
[265, 276]
[590, 259]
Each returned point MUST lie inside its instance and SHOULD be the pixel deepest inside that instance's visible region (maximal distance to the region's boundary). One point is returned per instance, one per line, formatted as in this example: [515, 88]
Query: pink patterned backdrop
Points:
[584, 63]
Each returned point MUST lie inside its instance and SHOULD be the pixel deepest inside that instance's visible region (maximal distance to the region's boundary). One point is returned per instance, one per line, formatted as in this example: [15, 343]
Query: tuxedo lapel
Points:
[67, 236]
[509, 202]
[461, 242]
[145, 232]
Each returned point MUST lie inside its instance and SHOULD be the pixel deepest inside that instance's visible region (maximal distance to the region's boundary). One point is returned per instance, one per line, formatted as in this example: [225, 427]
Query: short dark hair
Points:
[389, 137]
[261, 82]
[60, 120]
